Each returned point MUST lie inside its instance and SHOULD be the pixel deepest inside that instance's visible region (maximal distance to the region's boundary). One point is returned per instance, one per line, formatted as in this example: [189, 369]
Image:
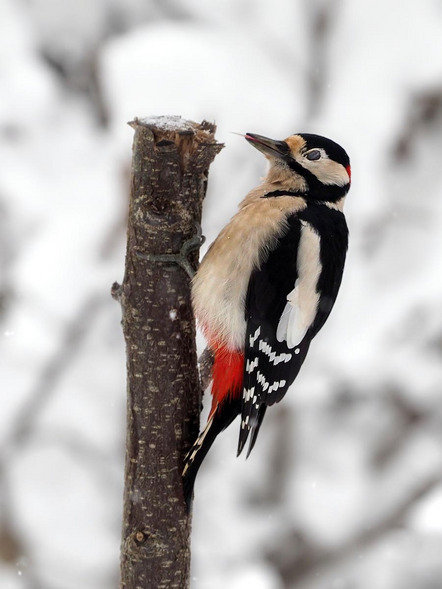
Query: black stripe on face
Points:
[276, 193]
[316, 189]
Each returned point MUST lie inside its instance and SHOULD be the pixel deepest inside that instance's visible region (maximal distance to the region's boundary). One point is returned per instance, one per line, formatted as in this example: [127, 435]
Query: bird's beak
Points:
[268, 146]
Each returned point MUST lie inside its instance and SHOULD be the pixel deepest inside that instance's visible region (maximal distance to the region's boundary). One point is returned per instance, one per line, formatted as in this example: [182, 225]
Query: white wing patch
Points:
[302, 302]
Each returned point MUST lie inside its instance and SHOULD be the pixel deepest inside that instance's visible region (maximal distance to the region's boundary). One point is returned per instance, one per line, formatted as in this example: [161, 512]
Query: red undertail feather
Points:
[227, 375]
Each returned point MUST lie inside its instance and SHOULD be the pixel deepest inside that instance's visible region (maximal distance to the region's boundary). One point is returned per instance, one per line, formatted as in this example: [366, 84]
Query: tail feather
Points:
[220, 418]
[255, 429]
[250, 428]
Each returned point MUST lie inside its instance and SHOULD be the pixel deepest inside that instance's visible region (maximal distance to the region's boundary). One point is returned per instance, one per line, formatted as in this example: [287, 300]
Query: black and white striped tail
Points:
[222, 417]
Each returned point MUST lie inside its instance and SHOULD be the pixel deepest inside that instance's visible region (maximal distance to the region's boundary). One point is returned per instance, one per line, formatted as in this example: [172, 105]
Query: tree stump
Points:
[171, 158]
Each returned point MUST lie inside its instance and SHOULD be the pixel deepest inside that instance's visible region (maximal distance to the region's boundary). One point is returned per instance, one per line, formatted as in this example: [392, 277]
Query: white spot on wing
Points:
[262, 381]
[248, 393]
[273, 357]
[251, 365]
[302, 302]
[254, 337]
[266, 386]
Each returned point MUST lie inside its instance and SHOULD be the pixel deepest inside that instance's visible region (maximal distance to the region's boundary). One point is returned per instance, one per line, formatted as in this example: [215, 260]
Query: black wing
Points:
[271, 365]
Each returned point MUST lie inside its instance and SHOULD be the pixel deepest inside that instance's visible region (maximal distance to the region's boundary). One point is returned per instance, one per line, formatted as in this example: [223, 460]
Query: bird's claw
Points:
[190, 245]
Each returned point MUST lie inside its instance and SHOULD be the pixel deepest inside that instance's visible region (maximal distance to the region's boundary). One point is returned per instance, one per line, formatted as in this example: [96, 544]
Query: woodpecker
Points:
[268, 282]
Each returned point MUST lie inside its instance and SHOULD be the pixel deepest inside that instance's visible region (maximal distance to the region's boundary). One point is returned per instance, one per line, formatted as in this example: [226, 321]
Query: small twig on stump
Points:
[171, 158]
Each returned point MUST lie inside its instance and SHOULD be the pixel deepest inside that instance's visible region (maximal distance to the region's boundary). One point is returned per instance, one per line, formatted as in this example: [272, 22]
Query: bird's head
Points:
[315, 165]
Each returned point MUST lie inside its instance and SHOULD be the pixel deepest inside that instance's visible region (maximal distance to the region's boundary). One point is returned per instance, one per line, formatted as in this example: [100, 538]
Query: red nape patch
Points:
[227, 375]
[348, 168]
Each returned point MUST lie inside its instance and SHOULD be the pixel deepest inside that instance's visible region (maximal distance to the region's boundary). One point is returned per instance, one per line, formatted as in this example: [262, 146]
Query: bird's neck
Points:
[282, 178]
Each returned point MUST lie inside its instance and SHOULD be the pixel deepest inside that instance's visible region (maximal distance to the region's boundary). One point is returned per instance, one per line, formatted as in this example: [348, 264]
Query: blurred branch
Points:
[12, 546]
[85, 454]
[280, 463]
[171, 158]
[424, 111]
[73, 337]
[13, 549]
[81, 77]
[409, 419]
[116, 232]
[173, 10]
[7, 255]
[322, 16]
[297, 559]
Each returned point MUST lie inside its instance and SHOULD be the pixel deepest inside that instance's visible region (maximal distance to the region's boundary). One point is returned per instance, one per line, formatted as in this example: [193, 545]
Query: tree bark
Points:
[171, 158]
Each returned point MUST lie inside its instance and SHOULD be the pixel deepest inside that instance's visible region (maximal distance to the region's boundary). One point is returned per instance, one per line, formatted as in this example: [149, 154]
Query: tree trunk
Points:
[171, 158]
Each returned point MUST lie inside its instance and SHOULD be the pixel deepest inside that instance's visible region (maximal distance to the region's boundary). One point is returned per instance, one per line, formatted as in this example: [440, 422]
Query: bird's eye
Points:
[314, 154]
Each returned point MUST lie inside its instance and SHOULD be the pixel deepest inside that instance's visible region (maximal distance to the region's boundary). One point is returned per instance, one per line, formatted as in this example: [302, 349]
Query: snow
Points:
[357, 438]
[168, 123]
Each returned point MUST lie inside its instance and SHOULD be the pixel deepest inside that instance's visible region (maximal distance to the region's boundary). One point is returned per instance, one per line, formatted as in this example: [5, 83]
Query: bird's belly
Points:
[220, 286]
[219, 300]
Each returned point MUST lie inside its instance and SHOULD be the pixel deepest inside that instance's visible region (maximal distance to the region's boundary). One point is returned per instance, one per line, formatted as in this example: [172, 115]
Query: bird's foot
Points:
[190, 245]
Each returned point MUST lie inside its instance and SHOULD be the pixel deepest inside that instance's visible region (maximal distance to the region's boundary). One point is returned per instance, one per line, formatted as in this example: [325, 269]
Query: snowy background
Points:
[344, 488]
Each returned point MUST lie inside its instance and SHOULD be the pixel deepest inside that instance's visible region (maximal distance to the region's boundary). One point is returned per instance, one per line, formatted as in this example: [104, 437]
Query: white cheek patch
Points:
[302, 302]
[326, 170]
[330, 172]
